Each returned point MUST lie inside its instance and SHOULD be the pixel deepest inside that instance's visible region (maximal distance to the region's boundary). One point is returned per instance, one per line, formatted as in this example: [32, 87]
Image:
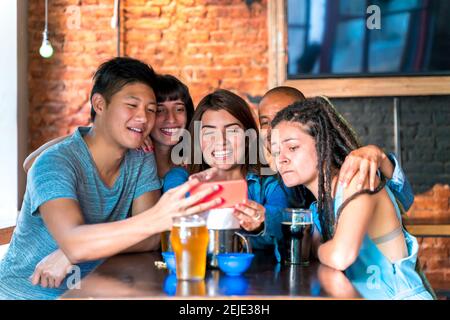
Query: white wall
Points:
[8, 112]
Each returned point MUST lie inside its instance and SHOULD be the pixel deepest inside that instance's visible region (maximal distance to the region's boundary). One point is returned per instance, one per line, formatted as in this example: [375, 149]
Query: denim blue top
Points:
[67, 170]
[400, 185]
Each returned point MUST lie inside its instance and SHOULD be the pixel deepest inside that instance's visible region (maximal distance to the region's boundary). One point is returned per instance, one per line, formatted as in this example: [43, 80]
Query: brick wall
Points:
[207, 43]
[211, 44]
[424, 133]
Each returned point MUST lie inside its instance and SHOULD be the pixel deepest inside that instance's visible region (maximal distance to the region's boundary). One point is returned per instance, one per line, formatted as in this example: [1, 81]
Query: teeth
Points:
[136, 130]
[170, 130]
[221, 154]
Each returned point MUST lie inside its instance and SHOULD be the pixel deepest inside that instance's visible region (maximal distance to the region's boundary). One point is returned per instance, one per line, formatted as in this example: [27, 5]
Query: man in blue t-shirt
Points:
[93, 195]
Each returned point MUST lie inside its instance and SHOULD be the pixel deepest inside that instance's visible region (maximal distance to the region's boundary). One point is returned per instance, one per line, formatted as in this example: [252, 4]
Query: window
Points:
[329, 39]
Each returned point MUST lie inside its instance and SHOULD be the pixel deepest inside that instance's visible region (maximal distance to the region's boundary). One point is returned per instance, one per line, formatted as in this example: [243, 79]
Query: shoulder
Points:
[270, 185]
[177, 172]
[57, 157]
[174, 178]
[353, 188]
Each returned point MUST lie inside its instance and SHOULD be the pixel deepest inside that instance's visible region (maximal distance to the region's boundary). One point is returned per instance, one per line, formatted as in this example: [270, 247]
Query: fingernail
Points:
[216, 187]
[344, 184]
[359, 186]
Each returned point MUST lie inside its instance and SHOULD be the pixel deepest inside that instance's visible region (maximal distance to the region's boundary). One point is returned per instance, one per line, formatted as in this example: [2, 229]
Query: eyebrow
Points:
[286, 140]
[139, 99]
[133, 97]
[226, 126]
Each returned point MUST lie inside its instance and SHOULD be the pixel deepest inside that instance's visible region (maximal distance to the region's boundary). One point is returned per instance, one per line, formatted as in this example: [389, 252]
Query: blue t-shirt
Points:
[265, 190]
[67, 170]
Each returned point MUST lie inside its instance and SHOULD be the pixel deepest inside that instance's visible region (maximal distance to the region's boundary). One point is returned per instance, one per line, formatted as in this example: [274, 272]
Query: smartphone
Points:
[232, 192]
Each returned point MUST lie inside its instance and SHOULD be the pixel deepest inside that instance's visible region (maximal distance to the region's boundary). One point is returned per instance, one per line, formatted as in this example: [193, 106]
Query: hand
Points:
[174, 203]
[206, 175]
[147, 146]
[366, 161]
[250, 214]
[51, 270]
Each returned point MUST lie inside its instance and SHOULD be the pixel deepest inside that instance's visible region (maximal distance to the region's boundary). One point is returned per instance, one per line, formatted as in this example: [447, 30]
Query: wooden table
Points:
[135, 276]
[427, 227]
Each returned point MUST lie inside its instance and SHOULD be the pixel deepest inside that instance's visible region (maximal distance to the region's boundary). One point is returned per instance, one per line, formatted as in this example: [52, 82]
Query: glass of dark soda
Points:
[297, 228]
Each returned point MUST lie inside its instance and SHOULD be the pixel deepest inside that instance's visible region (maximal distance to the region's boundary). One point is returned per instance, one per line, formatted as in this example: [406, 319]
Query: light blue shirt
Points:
[67, 170]
[373, 274]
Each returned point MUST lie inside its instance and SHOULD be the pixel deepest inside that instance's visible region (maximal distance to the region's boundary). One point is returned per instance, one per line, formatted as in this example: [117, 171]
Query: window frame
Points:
[340, 87]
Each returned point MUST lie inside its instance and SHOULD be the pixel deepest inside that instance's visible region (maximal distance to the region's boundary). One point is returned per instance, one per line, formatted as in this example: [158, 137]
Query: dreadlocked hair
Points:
[335, 139]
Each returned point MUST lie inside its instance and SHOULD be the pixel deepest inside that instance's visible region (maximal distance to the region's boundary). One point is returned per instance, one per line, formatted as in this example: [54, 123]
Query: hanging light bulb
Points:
[46, 49]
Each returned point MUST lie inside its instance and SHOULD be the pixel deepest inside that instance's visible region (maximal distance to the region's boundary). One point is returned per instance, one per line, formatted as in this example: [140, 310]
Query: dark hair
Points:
[114, 74]
[169, 88]
[226, 100]
[334, 141]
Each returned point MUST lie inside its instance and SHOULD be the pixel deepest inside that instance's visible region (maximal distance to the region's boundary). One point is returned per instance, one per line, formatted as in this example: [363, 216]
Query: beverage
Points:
[298, 238]
[166, 245]
[189, 239]
[297, 228]
[191, 288]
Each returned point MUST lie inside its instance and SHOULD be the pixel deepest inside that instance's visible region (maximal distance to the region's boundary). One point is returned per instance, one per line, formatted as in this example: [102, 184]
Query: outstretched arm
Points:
[81, 242]
[141, 204]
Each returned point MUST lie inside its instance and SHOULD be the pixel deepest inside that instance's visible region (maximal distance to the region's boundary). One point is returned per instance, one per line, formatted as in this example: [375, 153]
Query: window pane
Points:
[389, 6]
[352, 7]
[347, 55]
[297, 11]
[332, 38]
[386, 48]
[296, 47]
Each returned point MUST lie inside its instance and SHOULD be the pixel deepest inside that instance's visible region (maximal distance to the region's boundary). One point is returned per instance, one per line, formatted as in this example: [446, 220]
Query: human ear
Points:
[98, 103]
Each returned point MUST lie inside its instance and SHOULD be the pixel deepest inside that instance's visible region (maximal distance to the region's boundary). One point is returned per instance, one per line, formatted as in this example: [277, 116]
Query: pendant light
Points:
[46, 49]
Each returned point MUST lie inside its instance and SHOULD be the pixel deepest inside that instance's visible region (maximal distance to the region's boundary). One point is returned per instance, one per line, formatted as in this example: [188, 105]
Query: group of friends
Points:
[115, 186]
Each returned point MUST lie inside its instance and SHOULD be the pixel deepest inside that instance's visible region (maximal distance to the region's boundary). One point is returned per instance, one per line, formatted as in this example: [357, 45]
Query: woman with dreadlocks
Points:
[353, 227]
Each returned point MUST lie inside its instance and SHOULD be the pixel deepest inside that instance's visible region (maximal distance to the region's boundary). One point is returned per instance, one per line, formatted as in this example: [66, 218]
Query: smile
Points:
[137, 131]
[170, 131]
[222, 154]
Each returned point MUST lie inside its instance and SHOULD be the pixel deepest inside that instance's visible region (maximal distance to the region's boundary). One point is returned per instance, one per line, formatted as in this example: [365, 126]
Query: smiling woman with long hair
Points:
[310, 141]
[225, 131]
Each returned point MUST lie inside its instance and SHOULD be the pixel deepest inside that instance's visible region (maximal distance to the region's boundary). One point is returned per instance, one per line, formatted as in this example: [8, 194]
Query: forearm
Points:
[98, 241]
[387, 168]
[149, 244]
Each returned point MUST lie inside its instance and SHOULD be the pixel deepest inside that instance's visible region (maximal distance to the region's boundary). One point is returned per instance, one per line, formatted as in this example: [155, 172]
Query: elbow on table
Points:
[342, 259]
